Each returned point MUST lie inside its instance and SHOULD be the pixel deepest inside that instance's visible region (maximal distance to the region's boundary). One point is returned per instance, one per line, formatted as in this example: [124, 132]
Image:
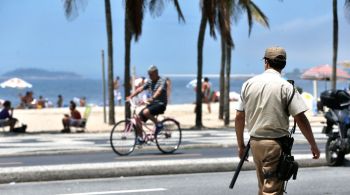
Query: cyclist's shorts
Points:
[155, 108]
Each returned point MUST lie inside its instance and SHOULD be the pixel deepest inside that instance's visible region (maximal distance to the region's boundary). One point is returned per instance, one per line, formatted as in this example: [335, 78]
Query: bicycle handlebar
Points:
[137, 102]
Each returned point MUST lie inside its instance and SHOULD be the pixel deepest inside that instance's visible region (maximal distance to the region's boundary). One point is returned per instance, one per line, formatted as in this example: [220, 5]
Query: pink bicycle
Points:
[123, 135]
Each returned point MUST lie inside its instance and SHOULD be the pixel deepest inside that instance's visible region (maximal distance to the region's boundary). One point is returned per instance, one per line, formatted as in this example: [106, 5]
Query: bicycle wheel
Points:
[123, 137]
[168, 139]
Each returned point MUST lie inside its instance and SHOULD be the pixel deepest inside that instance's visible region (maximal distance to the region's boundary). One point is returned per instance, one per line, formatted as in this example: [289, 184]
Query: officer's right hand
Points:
[241, 152]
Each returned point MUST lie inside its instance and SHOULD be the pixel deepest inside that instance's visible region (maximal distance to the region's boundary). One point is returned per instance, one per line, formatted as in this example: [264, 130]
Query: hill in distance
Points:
[35, 73]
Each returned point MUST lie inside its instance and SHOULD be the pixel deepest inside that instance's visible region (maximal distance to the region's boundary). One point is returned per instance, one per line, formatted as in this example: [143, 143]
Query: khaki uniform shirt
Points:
[264, 100]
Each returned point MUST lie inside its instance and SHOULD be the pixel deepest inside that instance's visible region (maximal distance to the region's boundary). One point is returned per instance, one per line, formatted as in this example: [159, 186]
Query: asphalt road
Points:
[143, 154]
[313, 181]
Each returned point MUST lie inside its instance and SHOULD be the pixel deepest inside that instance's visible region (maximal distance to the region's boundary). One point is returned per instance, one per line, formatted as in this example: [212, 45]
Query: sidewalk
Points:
[40, 144]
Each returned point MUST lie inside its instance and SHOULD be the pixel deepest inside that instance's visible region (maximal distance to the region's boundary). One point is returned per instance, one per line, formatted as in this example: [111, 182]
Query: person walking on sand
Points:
[263, 108]
[168, 91]
[206, 89]
[59, 101]
[117, 94]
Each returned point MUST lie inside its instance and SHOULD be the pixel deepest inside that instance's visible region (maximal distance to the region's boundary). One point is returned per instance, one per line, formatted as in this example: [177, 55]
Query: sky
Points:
[36, 34]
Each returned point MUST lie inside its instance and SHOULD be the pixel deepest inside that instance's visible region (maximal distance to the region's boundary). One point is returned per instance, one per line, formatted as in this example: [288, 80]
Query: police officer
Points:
[263, 106]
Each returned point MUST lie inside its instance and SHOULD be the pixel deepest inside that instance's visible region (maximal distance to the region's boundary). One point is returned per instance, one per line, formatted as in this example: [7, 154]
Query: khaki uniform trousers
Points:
[266, 155]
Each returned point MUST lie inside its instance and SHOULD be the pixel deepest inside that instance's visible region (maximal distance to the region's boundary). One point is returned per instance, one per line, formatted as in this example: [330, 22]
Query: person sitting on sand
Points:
[73, 120]
[27, 100]
[6, 118]
[82, 101]
[41, 103]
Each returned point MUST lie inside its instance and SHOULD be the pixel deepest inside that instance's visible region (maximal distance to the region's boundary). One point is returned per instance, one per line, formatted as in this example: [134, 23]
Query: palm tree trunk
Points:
[222, 78]
[227, 86]
[127, 86]
[110, 61]
[200, 44]
[335, 45]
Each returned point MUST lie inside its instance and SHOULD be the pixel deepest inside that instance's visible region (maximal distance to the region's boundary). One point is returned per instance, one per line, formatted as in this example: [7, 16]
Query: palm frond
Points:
[179, 11]
[156, 7]
[253, 12]
[347, 9]
[245, 6]
[235, 11]
[250, 20]
[258, 15]
[224, 22]
[135, 11]
[71, 8]
[209, 8]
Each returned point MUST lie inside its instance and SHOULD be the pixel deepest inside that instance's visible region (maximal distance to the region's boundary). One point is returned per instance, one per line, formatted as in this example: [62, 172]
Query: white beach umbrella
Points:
[193, 83]
[16, 83]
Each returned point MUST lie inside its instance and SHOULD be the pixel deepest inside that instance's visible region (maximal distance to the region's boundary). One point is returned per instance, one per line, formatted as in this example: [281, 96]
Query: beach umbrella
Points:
[193, 83]
[16, 83]
[323, 73]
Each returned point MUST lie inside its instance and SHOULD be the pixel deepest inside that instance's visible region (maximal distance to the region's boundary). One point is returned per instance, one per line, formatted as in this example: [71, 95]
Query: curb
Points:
[125, 169]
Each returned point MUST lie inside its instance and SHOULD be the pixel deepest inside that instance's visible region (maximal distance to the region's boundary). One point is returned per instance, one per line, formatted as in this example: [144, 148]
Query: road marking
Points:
[11, 163]
[119, 192]
[156, 156]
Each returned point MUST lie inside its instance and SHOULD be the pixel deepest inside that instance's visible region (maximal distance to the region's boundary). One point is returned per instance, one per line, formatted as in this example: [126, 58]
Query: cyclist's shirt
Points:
[154, 86]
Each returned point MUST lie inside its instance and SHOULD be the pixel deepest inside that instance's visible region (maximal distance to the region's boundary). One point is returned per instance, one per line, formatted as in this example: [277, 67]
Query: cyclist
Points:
[156, 104]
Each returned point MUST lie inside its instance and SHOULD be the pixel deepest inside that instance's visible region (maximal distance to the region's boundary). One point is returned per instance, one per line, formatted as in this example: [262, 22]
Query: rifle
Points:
[240, 164]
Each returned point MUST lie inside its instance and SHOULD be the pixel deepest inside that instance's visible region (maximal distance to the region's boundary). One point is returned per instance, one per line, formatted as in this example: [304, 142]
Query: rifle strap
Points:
[290, 100]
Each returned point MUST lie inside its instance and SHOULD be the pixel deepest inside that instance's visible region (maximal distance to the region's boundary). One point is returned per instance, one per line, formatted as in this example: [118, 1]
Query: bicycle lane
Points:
[29, 151]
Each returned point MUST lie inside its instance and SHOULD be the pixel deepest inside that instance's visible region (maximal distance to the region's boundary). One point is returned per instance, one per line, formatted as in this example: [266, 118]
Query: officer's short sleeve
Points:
[297, 105]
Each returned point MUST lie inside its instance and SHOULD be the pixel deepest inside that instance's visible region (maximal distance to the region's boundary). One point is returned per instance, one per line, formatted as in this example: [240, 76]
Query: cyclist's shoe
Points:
[159, 127]
[139, 141]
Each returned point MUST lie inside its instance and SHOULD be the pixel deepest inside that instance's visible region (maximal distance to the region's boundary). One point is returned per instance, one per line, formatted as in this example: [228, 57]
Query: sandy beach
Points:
[50, 119]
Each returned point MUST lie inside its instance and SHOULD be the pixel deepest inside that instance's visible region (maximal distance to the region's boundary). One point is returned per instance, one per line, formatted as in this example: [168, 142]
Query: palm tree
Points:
[224, 13]
[335, 40]
[218, 13]
[71, 11]
[134, 11]
[110, 76]
[222, 78]
[214, 12]
[253, 13]
[208, 10]
[200, 44]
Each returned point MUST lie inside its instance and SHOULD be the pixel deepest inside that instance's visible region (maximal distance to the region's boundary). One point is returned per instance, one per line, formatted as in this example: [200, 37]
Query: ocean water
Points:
[92, 89]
